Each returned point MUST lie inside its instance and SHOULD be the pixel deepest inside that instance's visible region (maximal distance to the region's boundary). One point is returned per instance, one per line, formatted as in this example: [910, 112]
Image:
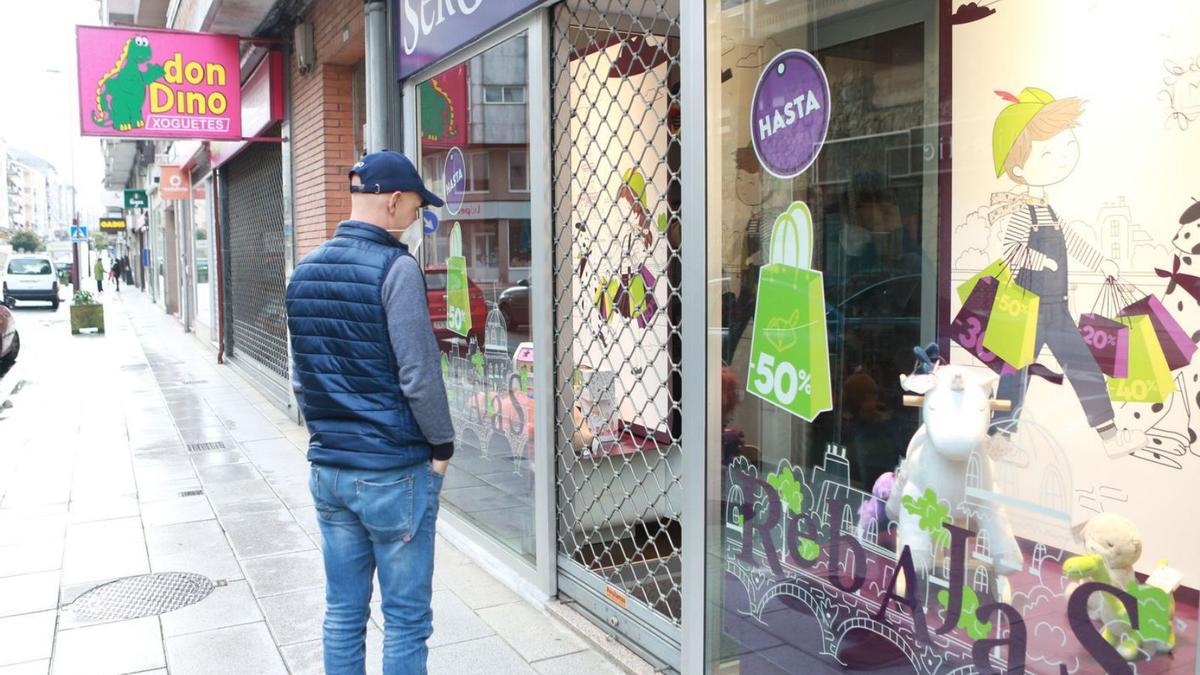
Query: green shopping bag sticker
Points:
[458, 296]
[789, 348]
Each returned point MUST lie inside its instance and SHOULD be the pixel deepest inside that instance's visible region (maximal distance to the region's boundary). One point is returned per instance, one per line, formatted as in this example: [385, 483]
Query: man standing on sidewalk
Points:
[367, 374]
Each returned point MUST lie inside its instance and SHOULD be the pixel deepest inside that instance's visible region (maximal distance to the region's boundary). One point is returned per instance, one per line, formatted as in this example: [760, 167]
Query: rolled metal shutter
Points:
[255, 269]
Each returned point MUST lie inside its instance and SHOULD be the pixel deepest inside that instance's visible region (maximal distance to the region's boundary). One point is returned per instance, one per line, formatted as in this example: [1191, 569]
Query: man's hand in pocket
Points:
[440, 466]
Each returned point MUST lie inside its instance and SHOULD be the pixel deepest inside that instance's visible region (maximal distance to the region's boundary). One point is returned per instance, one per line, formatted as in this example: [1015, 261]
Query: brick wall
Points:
[322, 133]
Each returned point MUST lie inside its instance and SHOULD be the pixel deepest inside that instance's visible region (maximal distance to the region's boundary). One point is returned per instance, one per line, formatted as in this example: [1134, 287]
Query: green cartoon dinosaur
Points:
[1155, 609]
[121, 93]
[437, 112]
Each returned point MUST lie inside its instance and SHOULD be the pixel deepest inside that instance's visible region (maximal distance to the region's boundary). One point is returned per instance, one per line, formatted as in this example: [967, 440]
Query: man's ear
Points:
[394, 201]
[1018, 172]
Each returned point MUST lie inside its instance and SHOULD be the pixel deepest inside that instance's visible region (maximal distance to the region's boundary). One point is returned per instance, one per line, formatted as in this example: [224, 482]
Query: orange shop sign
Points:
[174, 183]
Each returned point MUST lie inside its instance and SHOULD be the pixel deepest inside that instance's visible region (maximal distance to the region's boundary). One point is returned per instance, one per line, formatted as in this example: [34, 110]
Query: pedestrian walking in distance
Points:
[98, 272]
[367, 374]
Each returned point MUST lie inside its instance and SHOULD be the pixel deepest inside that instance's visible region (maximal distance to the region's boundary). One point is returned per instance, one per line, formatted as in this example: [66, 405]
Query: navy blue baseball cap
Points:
[389, 171]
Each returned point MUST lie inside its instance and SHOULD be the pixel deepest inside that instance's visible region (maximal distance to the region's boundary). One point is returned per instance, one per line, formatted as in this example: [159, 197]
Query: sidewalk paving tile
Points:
[230, 605]
[103, 550]
[167, 489]
[178, 510]
[285, 573]
[306, 658]
[476, 588]
[34, 556]
[111, 508]
[28, 593]
[295, 494]
[239, 508]
[27, 637]
[237, 649]
[254, 535]
[41, 667]
[16, 530]
[586, 662]
[454, 622]
[122, 647]
[295, 617]
[534, 635]
[225, 473]
[217, 457]
[198, 547]
[485, 656]
[239, 490]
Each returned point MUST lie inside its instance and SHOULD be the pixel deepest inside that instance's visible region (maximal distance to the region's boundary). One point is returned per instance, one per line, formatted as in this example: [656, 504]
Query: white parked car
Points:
[30, 277]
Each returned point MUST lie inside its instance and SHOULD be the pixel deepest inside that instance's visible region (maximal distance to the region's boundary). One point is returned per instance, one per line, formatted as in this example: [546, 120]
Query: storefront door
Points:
[555, 142]
[471, 117]
[615, 170]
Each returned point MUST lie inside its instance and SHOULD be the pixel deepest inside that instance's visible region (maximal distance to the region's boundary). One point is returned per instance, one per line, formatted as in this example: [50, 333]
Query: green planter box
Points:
[87, 316]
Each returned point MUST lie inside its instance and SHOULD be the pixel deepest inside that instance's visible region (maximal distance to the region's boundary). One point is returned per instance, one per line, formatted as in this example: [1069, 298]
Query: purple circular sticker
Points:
[455, 180]
[789, 114]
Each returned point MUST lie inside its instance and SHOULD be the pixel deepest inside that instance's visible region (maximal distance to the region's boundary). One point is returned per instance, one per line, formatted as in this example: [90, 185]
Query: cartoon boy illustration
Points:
[1033, 142]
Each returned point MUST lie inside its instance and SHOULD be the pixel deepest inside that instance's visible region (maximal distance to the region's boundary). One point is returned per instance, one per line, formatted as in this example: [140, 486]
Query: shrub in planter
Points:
[86, 313]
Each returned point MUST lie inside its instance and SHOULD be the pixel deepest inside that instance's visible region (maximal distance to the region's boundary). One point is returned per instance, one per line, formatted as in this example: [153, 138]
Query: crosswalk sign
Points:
[79, 233]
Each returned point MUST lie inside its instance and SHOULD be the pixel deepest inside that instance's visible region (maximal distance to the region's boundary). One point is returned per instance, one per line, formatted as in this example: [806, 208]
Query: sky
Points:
[40, 111]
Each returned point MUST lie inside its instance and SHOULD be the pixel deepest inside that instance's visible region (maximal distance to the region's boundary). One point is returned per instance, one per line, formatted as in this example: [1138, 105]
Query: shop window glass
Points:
[203, 260]
[478, 305]
[889, 175]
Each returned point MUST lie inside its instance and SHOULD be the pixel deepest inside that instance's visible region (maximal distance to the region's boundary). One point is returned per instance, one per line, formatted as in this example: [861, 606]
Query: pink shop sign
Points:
[142, 83]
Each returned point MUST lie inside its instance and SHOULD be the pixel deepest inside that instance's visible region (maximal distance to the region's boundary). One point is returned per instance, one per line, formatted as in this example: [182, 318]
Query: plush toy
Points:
[957, 408]
[1113, 545]
[874, 510]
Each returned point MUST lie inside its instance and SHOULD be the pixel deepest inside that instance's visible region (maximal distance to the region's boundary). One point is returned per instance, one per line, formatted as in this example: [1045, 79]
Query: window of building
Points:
[503, 93]
[477, 171]
[518, 171]
[520, 247]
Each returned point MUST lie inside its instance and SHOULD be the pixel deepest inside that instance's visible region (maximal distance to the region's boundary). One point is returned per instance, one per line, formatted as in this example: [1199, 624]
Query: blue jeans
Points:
[381, 519]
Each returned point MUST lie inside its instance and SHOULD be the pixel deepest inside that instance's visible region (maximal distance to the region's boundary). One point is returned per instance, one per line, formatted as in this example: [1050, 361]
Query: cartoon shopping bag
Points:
[635, 296]
[1149, 379]
[998, 270]
[789, 350]
[1012, 325]
[1108, 341]
[1177, 347]
[458, 295]
[971, 323]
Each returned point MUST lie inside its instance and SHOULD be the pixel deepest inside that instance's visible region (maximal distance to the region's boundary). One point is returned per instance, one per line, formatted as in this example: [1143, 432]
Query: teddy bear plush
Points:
[1117, 541]
[1113, 545]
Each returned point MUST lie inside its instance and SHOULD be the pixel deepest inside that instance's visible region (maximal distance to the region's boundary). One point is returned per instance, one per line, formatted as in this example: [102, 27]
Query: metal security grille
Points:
[616, 268]
[253, 224]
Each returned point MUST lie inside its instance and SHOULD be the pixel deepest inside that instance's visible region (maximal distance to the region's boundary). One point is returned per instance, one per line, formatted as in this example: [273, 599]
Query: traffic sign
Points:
[79, 233]
[136, 199]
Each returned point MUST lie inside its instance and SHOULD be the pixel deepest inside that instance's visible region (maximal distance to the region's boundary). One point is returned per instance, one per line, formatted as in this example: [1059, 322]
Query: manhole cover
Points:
[140, 596]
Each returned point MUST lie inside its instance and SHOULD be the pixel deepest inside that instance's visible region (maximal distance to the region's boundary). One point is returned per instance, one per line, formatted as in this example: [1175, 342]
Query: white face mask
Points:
[412, 237]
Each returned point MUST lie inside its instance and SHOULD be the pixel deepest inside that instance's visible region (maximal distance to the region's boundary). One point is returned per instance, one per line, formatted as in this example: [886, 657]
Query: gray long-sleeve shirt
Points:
[417, 356]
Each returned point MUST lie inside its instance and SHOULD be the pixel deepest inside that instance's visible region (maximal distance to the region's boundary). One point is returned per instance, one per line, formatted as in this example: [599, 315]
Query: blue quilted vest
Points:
[357, 416]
